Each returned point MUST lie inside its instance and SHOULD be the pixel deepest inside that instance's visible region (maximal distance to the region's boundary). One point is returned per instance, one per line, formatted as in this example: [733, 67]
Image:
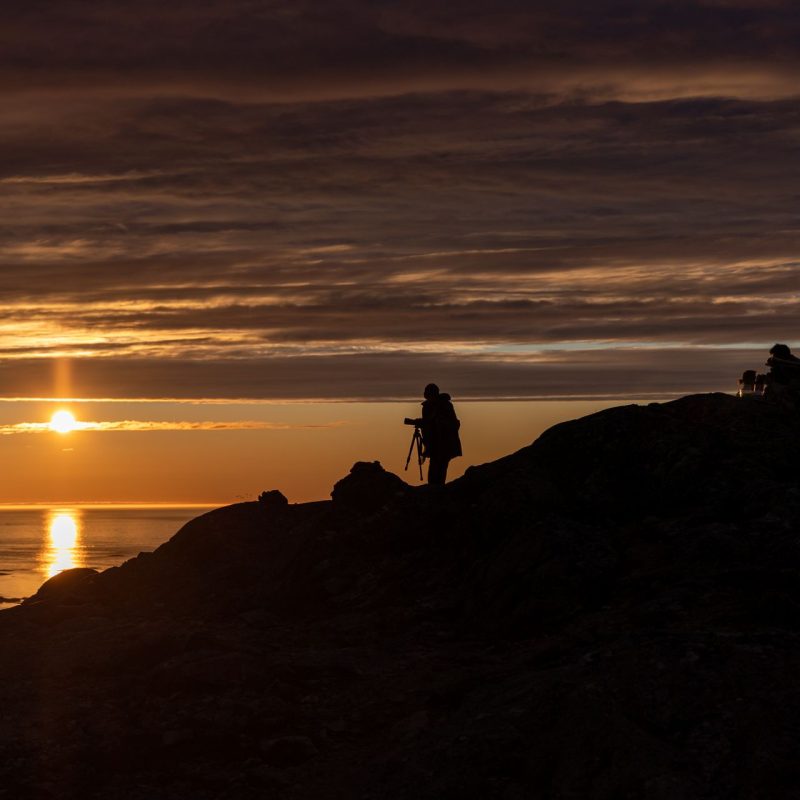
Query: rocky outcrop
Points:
[273, 501]
[610, 612]
[70, 585]
[367, 488]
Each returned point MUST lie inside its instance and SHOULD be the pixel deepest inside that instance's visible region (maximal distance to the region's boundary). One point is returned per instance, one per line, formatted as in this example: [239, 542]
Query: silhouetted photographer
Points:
[435, 435]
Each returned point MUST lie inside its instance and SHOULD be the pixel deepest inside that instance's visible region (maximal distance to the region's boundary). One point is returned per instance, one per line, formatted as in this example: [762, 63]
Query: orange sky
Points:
[302, 450]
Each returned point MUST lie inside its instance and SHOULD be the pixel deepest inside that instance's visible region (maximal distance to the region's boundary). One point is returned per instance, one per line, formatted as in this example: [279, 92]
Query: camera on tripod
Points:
[409, 421]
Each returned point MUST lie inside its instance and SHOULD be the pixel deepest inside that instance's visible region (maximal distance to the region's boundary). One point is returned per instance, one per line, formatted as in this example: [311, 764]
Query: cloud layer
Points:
[150, 426]
[293, 200]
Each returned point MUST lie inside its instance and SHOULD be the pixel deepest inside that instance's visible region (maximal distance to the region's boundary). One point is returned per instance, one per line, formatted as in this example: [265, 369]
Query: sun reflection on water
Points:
[62, 549]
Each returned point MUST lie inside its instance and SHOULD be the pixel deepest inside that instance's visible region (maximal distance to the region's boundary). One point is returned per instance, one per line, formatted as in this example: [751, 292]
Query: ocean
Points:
[39, 542]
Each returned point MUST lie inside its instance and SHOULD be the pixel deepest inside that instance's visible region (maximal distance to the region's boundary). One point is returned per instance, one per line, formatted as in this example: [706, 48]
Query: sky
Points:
[260, 228]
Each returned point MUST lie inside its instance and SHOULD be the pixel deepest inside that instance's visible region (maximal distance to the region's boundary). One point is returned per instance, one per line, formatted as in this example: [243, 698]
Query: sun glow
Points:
[63, 422]
[62, 551]
[63, 532]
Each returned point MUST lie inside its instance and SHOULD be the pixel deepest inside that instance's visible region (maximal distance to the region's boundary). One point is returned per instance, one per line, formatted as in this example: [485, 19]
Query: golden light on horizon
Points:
[61, 551]
[63, 422]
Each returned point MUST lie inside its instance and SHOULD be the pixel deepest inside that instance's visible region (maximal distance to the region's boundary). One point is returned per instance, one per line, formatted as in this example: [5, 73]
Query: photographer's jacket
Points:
[440, 428]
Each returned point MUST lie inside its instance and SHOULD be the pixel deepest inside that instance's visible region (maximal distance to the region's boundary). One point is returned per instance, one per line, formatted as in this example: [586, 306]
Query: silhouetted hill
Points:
[611, 612]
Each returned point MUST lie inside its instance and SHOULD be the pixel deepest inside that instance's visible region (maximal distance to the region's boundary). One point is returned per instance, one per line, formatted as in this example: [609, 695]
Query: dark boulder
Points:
[273, 500]
[71, 585]
[367, 488]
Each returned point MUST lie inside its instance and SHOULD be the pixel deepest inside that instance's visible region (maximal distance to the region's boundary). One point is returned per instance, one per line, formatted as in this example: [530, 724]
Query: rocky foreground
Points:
[612, 612]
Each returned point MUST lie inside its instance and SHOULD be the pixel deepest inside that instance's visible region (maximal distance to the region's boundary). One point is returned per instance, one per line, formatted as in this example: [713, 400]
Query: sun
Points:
[63, 422]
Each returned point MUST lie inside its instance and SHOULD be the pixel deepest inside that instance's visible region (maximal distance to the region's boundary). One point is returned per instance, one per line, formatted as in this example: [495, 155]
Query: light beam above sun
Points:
[63, 422]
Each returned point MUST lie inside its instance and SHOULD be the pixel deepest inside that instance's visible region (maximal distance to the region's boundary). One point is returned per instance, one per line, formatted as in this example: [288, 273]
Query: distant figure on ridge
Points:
[439, 425]
[783, 380]
[785, 367]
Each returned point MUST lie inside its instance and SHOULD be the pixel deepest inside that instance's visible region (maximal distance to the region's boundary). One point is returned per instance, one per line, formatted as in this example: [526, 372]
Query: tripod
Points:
[416, 439]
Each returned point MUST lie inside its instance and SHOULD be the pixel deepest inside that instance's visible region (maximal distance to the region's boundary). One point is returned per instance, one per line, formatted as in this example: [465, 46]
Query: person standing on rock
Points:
[440, 438]
[785, 366]
[783, 380]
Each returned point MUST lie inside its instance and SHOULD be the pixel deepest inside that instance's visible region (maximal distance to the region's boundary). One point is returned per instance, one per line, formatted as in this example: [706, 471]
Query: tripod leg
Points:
[410, 451]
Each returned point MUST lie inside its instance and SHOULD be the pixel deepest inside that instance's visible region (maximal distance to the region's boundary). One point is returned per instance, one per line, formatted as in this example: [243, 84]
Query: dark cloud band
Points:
[292, 200]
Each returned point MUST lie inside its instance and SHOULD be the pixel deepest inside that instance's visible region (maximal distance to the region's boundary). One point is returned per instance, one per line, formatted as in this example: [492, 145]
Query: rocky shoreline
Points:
[611, 612]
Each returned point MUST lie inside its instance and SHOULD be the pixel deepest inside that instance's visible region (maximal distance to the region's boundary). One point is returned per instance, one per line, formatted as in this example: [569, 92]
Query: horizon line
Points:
[85, 504]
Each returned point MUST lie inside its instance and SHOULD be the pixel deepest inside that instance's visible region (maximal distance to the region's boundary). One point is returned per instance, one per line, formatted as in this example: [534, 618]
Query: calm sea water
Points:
[37, 543]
